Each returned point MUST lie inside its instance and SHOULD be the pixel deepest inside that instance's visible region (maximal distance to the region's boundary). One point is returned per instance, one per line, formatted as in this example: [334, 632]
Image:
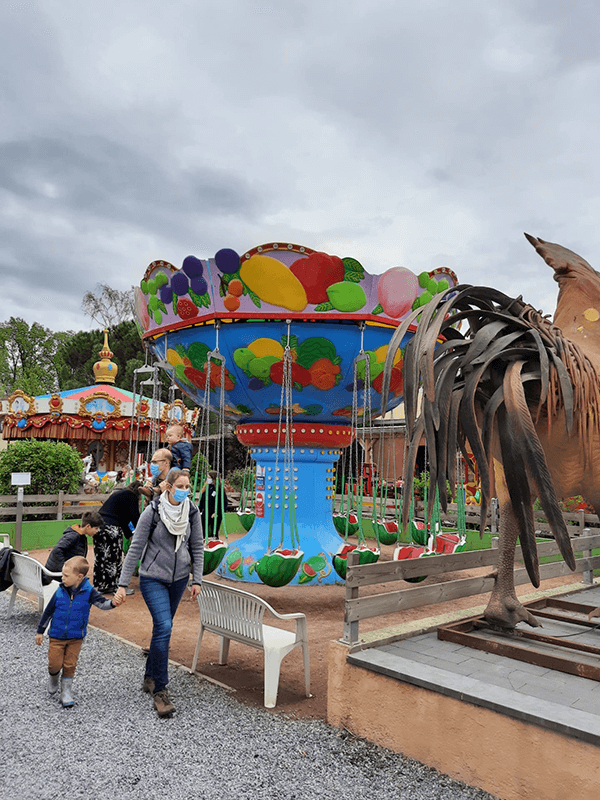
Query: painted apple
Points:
[316, 273]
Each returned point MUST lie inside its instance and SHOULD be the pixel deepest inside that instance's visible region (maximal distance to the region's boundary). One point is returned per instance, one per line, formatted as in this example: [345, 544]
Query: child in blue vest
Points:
[69, 611]
[181, 451]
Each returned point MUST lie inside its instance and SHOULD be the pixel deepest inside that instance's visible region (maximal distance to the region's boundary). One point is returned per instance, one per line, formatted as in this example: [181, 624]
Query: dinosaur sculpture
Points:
[523, 393]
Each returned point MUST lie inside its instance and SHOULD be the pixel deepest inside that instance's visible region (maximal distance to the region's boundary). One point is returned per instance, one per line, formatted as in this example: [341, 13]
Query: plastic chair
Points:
[234, 614]
[26, 574]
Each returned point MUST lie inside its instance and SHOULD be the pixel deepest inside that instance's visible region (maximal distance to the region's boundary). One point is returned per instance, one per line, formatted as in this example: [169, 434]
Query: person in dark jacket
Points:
[211, 505]
[169, 544]
[68, 612]
[6, 580]
[120, 513]
[73, 542]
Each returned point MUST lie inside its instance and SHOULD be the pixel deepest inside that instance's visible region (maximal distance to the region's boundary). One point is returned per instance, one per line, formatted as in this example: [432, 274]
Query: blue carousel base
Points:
[309, 491]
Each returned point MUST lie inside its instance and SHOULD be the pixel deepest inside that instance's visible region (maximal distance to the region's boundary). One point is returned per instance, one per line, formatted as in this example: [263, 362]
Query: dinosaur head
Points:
[578, 306]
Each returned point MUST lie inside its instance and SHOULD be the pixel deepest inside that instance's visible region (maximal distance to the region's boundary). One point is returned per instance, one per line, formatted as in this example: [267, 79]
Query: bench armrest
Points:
[301, 628]
[298, 615]
[56, 576]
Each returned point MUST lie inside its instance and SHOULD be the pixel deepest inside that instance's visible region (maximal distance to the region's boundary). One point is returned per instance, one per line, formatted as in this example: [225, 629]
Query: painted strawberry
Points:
[317, 273]
[299, 374]
[186, 309]
[215, 377]
[195, 376]
[396, 382]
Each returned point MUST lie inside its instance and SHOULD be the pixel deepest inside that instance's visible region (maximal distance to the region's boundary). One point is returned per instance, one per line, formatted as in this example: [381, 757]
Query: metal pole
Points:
[19, 522]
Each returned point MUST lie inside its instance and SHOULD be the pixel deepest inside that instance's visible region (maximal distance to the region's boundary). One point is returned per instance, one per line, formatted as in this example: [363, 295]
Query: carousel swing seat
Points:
[387, 530]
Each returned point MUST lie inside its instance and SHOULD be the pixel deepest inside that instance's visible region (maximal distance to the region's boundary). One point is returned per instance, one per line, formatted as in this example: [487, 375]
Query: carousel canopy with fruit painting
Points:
[334, 307]
[291, 344]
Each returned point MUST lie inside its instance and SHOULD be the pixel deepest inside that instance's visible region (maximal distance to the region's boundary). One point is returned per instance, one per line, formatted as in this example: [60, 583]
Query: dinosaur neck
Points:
[578, 314]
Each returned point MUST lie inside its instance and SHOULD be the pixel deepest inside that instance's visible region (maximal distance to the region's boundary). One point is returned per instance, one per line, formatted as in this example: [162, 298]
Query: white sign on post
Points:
[20, 478]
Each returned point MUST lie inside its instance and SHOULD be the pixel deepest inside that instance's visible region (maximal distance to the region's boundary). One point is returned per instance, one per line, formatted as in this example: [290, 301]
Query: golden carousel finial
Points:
[105, 370]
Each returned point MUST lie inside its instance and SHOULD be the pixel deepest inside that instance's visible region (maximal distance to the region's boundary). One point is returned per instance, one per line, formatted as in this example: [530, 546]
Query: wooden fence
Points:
[359, 608]
[576, 521]
[57, 504]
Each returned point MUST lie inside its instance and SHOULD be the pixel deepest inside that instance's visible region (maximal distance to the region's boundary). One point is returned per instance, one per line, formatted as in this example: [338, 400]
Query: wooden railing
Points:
[58, 504]
[576, 521]
[367, 607]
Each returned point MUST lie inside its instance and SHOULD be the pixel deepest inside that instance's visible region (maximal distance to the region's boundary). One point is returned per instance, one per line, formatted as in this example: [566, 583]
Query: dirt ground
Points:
[324, 609]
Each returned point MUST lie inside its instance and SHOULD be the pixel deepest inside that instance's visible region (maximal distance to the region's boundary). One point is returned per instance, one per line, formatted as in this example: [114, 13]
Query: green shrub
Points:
[419, 486]
[237, 478]
[54, 467]
[203, 469]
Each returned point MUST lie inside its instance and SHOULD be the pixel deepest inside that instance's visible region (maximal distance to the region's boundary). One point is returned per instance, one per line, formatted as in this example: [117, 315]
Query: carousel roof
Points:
[91, 412]
[75, 394]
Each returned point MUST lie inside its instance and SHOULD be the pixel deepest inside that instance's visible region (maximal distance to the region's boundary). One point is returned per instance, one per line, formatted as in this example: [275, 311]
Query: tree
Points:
[109, 306]
[54, 466]
[79, 352]
[27, 357]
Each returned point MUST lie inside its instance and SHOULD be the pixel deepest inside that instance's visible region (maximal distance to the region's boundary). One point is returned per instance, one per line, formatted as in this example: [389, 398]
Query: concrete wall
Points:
[506, 757]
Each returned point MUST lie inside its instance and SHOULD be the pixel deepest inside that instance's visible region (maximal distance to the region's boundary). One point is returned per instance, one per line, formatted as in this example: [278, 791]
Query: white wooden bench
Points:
[26, 574]
[234, 614]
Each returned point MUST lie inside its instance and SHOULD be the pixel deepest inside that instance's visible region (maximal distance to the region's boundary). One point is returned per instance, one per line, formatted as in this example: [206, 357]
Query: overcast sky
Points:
[423, 134]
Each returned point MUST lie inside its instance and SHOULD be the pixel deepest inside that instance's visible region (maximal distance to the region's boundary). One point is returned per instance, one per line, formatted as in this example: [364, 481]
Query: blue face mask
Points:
[154, 469]
[179, 495]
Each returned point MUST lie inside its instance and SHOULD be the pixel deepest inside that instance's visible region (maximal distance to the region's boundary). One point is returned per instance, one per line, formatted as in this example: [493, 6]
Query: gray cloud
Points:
[416, 134]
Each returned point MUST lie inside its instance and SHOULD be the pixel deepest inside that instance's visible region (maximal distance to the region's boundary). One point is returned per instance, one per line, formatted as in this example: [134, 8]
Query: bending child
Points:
[73, 542]
[69, 611]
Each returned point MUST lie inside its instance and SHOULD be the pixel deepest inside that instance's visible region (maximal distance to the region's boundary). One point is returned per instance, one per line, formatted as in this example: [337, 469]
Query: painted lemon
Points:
[273, 283]
[381, 353]
[266, 347]
[173, 357]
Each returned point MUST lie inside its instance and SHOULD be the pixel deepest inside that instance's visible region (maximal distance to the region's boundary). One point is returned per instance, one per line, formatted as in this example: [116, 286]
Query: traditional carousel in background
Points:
[290, 344]
[108, 426]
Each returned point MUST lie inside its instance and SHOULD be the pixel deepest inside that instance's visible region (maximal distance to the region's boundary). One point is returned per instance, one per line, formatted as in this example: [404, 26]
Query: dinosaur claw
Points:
[507, 612]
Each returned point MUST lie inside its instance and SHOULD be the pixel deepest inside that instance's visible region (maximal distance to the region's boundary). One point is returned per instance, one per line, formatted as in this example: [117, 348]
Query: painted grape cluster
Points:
[186, 290]
[431, 287]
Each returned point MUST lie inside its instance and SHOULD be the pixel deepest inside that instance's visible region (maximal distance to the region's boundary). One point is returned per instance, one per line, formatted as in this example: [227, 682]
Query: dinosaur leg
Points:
[504, 608]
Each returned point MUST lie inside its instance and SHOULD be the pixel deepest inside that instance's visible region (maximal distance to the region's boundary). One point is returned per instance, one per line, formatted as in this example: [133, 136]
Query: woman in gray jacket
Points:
[168, 542]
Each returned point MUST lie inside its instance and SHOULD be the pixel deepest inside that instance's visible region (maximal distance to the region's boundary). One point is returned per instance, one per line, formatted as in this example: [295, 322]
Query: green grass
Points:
[42, 534]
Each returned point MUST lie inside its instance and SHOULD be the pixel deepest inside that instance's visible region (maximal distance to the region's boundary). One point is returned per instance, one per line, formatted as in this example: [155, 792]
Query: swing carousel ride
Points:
[290, 344]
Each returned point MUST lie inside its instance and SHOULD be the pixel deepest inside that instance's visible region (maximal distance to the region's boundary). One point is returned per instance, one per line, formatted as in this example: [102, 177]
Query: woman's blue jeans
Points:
[162, 600]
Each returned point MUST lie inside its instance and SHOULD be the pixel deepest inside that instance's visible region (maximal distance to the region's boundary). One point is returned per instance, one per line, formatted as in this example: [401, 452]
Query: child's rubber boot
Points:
[53, 682]
[66, 696]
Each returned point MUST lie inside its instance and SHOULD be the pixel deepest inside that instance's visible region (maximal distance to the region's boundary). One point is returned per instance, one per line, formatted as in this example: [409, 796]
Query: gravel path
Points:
[112, 744]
